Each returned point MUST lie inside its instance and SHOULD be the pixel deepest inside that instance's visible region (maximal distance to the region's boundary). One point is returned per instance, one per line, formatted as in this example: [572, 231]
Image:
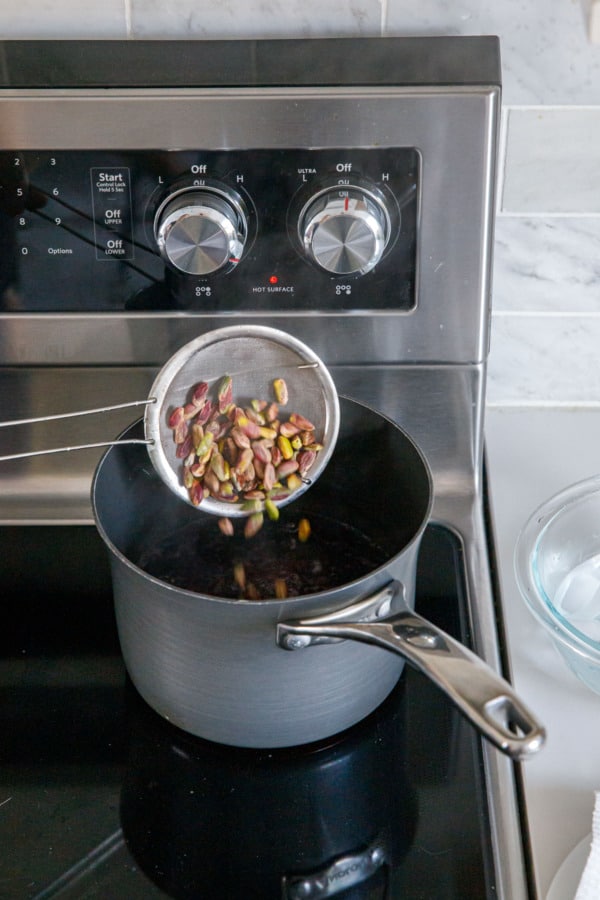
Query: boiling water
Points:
[577, 597]
[197, 557]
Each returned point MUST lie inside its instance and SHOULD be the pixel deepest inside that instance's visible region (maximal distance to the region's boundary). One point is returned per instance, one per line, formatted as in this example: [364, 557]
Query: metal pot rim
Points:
[351, 587]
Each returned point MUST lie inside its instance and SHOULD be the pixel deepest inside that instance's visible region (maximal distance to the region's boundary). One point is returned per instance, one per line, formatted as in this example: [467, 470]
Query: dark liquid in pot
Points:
[199, 558]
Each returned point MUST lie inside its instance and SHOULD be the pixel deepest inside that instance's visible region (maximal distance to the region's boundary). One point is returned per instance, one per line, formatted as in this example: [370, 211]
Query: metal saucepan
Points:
[214, 665]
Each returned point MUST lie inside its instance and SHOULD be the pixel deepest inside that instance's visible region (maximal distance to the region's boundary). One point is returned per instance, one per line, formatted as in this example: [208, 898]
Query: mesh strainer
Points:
[253, 356]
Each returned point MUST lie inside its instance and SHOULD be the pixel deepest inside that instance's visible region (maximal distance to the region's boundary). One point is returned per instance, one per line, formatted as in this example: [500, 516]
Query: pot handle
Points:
[485, 698]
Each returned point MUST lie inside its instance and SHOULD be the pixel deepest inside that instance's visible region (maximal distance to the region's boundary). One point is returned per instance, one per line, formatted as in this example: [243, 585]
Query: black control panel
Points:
[214, 231]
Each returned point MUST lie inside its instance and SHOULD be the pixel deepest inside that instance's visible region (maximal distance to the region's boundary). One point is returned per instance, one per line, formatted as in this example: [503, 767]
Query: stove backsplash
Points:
[548, 228]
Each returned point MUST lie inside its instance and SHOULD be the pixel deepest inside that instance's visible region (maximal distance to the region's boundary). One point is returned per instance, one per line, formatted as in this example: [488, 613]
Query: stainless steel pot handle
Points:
[485, 698]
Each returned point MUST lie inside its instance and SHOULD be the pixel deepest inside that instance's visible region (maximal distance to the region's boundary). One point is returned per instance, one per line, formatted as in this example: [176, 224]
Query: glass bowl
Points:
[557, 564]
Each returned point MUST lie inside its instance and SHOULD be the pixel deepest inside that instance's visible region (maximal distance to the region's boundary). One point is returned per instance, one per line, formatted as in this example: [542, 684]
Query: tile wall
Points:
[546, 319]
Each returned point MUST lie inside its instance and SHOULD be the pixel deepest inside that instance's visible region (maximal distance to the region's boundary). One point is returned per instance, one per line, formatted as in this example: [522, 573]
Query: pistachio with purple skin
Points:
[184, 449]
[289, 430]
[305, 460]
[199, 393]
[176, 417]
[233, 453]
[262, 451]
[302, 423]
[239, 437]
[286, 468]
[271, 412]
[204, 413]
[269, 477]
[251, 429]
[196, 492]
[245, 460]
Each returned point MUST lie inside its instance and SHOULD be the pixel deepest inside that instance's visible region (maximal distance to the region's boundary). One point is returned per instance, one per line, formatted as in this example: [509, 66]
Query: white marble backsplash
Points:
[546, 297]
[254, 18]
[551, 161]
[545, 359]
[546, 312]
[546, 55]
[547, 264]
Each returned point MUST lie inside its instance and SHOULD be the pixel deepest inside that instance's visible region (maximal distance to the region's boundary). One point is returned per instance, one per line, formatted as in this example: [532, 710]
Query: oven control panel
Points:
[214, 231]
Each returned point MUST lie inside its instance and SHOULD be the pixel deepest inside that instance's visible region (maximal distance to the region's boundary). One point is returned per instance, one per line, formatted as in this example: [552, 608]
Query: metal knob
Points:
[201, 231]
[345, 231]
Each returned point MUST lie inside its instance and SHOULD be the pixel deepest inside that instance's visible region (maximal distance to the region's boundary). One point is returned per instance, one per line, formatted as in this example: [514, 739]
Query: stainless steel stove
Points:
[342, 190]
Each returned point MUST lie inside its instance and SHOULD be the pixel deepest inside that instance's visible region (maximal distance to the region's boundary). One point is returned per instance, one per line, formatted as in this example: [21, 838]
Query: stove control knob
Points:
[200, 231]
[345, 231]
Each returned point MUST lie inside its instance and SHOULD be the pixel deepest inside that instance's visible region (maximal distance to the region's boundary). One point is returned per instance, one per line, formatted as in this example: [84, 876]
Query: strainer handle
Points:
[71, 415]
[74, 447]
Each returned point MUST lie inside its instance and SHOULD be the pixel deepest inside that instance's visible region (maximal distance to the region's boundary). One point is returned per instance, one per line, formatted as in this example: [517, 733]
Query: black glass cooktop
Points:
[101, 798]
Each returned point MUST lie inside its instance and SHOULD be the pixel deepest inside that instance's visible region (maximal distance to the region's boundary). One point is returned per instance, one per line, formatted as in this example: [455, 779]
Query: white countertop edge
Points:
[532, 454]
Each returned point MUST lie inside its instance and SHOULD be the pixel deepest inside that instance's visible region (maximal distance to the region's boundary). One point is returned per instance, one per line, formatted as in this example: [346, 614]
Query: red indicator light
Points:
[273, 279]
